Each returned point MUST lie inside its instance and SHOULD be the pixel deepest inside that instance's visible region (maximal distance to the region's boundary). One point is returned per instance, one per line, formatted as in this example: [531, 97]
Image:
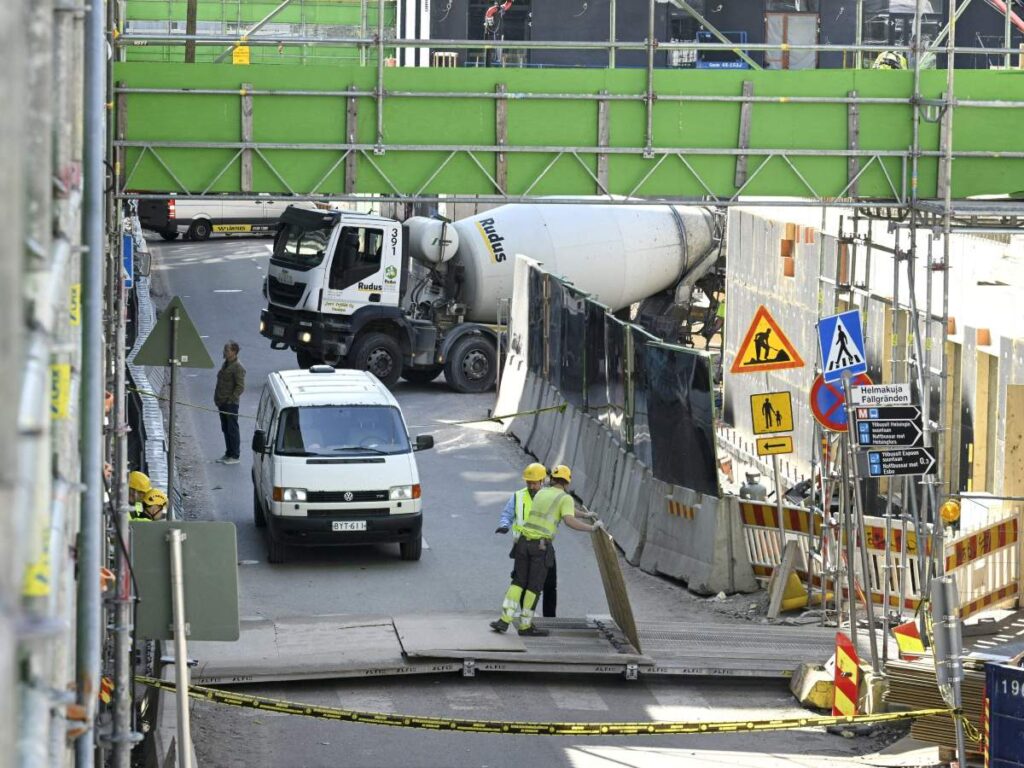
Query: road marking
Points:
[269, 247]
[227, 290]
[479, 696]
[367, 701]
[675, 704]
[577, 696]
[425, 545]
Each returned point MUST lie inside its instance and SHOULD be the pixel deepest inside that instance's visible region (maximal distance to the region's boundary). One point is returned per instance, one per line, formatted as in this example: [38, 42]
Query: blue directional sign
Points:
[128, 255]
[842, 345]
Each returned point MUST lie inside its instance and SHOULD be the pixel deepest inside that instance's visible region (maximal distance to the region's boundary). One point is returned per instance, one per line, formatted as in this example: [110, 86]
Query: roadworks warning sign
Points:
[765, 347]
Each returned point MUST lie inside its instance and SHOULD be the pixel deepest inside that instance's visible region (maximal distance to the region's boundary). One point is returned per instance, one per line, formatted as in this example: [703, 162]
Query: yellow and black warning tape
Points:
[522, 728]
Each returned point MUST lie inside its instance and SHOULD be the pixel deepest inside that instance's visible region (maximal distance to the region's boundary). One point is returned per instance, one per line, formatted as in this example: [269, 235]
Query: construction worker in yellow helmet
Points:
[516, 510]
[154, 505]
[534, 551]
[138, 486]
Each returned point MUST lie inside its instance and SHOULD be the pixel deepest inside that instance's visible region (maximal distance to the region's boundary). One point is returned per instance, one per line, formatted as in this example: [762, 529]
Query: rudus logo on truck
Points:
[492, 239]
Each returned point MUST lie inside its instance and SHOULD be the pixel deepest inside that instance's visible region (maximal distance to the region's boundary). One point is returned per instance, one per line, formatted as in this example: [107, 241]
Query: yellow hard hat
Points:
[155, 498]
[535, 473]
[139, 481]
[950, 511]
[561, 472]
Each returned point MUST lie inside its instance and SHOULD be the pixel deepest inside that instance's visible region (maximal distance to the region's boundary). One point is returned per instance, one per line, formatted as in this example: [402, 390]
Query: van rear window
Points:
[333, 430]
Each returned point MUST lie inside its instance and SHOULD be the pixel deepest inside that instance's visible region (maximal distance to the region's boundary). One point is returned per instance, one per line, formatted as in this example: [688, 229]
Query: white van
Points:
[332, 463]
[197, 219]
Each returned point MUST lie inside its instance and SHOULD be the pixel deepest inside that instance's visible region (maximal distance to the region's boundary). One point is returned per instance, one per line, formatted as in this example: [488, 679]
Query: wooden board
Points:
[615, 586]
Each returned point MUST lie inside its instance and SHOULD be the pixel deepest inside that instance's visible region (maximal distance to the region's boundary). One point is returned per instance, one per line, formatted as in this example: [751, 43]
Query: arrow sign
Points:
[901, 461]
[896, 426]
[898, 433]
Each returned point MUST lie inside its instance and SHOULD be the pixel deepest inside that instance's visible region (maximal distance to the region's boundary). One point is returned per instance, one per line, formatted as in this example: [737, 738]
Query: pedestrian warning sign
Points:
[765, 347]
[842, 345]
[771, 412]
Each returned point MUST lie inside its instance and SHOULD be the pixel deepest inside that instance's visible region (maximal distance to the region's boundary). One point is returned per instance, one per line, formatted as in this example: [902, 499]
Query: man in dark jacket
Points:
[230, 386]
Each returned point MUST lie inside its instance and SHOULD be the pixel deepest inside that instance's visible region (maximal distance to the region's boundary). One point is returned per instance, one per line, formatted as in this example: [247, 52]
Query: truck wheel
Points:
[168, 236]
[422, 375]
[306, 359]
[200, 230]
[472, 365]
[412, 549]
[275, 549]
[258, 518]
[379, 354]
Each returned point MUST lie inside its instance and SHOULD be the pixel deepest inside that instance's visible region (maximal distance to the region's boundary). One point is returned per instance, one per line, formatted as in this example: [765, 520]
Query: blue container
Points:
[1005, 687]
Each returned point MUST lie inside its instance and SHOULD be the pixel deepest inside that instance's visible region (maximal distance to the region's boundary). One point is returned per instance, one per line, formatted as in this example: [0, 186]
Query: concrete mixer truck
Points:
[417, 298]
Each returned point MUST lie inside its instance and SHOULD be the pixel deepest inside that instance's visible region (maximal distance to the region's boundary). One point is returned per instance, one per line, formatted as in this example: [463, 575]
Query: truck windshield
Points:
[336, 430]
[300, 247]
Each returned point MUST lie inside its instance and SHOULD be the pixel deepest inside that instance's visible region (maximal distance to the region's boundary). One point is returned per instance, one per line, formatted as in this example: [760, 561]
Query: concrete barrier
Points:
[588, 459]
[522, 427]
[697, 539]
[539, 443]
[629, 520]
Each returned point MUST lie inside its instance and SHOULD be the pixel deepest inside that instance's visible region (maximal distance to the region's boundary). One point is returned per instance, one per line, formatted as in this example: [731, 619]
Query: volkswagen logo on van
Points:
[349, 496]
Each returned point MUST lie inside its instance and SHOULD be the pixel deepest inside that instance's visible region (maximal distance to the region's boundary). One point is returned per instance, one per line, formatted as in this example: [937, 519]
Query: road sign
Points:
[842, 345]
[771, 412]
[828, 403]
[898, 461]
[128, 255]
[770, 446]
[210, 560]
[190, 349]
[882, 394]
[897, 426]
[765, 347]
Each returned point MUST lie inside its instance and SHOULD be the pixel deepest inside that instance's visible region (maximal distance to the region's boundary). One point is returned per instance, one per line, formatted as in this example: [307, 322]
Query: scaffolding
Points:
[66, 298]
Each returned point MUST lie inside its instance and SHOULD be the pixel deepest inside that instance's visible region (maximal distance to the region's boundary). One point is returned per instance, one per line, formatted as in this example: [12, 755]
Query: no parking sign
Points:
[828, 402]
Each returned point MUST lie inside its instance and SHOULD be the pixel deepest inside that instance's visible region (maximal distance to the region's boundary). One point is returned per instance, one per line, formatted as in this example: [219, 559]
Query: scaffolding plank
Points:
[453, 635]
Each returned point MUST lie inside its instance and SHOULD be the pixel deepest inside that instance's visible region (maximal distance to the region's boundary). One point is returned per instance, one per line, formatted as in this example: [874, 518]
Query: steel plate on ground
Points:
[454, 634]
[309, 647]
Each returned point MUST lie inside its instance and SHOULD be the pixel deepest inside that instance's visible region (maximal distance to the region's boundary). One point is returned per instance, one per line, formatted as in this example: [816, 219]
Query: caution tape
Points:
[522, 728]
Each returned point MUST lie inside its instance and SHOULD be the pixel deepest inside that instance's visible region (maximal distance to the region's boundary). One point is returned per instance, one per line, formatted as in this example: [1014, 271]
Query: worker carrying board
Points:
[534, 551]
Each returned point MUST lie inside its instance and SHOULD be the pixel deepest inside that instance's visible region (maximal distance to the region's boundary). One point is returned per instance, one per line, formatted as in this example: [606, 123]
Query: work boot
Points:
[499, 625]
[532, 631]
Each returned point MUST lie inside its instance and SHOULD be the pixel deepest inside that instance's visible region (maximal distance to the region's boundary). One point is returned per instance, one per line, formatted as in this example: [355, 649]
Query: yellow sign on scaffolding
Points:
[240, 55]
[60, 390]
[75, 304]
[771, 412]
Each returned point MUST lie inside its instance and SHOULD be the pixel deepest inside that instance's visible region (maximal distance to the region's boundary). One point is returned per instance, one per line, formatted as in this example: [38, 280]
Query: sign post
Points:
[772, 412]
[175, 342]
[175, 536]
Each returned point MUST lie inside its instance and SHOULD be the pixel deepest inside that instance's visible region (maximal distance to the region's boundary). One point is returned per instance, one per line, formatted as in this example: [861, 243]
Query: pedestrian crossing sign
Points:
[765, 347]
[842, 345]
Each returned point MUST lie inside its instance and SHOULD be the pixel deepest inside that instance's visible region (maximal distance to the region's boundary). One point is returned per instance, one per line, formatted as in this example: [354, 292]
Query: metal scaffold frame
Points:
[363, 162]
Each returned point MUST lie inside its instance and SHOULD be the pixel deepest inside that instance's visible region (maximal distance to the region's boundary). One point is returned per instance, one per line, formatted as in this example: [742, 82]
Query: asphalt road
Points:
[466, 479]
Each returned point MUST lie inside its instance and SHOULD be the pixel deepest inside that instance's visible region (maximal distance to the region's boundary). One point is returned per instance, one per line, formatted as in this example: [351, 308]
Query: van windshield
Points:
[300, 247]
[336, 430]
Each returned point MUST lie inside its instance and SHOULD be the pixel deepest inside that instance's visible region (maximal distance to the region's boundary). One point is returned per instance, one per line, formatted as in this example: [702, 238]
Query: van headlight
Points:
[405, 492]
[305, 337]
[289, 494]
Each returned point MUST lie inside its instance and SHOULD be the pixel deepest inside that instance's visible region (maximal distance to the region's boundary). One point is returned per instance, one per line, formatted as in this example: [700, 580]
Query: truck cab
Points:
[338, 292]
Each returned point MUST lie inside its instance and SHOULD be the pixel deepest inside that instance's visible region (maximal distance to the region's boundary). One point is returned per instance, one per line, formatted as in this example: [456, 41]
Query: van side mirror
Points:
[424, 442]
[259, 441]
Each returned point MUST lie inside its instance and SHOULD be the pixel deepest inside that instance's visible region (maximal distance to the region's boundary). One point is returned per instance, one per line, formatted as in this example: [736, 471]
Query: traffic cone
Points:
[908, 638]
[795, 595]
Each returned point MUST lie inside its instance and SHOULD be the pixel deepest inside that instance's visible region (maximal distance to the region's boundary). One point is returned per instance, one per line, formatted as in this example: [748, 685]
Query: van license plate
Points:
[278, 330]
[348, 525]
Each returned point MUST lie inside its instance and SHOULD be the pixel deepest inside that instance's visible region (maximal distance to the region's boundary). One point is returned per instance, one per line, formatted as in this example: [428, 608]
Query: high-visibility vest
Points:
[523, 505]
[545, 514]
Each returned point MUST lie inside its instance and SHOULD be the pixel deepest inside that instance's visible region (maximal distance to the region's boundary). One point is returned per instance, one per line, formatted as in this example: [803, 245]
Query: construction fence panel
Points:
[536, 345]
[641, 417]
[986, 563]
[681, 417]
[573, 348]
[615, 376]
[595, 373]
[555, 293]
